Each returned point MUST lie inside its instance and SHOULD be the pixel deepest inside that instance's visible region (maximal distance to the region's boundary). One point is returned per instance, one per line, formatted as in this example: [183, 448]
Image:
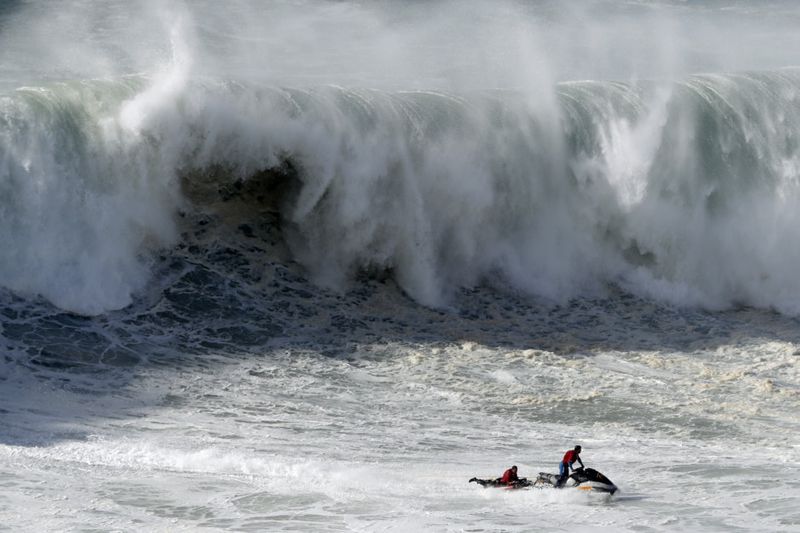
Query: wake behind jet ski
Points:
[587, 479]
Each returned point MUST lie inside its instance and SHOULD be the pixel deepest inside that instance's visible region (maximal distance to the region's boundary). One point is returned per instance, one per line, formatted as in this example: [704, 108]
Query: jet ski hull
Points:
[586, 479]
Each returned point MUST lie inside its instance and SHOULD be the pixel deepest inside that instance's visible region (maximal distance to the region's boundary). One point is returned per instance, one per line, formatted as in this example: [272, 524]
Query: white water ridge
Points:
[280, 266]
[672, 193]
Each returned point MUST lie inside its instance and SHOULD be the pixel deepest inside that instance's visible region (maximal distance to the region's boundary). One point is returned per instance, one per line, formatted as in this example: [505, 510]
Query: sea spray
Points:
[442, 174]
[682, 192]
[81, 201]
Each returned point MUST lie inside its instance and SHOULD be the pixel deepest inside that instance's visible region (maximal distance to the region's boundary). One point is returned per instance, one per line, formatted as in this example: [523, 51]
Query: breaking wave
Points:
[684, 192]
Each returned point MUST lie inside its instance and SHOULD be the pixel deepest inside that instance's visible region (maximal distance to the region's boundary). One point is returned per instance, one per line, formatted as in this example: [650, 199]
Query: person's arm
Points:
[579, 460]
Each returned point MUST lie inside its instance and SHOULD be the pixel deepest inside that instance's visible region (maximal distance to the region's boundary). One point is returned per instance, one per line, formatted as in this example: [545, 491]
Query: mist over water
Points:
[447, 144]
[294, 263]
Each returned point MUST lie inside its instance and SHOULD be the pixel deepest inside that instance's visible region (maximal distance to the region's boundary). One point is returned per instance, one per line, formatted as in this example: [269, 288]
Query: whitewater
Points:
[312, 265]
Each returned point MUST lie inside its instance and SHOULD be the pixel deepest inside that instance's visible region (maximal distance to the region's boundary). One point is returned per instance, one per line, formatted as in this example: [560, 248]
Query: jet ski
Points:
[587, 479]
[521, 483]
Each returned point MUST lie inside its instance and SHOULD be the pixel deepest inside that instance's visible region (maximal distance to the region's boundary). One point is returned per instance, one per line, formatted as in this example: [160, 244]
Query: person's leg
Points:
[563, 471]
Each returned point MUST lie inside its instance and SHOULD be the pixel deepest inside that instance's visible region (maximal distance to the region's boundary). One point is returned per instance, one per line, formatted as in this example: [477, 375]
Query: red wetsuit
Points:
[570, 457]
[566, 463]
[509, 476]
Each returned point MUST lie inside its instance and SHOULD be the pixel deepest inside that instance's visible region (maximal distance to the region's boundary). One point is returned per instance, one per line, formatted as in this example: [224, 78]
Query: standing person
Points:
[566, 464]
[510, 476]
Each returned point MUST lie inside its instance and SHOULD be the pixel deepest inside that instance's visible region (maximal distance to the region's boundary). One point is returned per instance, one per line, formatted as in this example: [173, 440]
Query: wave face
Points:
[683, 191]
[80, 198]
[312, 265]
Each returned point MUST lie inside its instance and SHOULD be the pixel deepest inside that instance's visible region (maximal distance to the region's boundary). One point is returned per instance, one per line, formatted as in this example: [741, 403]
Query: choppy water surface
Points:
[311, 266]
[370, 412]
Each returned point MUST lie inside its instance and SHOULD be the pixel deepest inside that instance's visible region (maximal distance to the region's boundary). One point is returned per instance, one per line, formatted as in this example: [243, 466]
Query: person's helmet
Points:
[578, 448]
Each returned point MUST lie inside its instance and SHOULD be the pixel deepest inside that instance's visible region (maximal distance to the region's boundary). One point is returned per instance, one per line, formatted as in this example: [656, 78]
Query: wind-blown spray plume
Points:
[403, 147]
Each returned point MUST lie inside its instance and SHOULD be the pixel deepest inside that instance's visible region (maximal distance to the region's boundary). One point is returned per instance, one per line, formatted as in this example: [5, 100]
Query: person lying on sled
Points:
[509, 477]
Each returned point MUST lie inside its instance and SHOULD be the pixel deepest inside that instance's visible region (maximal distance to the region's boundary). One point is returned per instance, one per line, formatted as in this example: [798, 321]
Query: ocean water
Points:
[311, 266]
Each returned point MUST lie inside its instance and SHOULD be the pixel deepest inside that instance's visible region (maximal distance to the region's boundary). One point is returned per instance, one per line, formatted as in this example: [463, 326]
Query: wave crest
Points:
[682, 192]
